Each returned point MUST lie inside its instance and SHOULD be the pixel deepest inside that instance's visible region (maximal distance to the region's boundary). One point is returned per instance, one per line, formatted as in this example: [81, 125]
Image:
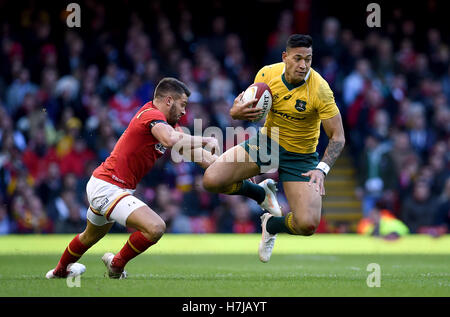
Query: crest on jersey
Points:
[300, 105]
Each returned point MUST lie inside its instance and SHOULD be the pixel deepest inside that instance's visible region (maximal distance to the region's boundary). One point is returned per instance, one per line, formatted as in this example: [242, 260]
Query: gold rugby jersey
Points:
[297, 110]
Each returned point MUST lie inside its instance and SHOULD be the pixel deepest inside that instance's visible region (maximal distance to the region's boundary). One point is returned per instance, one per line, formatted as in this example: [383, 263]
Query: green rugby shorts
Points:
[269, 155]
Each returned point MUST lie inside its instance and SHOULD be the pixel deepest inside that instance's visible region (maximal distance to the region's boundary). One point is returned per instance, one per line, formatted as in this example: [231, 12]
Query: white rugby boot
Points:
[113, 273]
[270, 203]
[267, 240]
[73, 270]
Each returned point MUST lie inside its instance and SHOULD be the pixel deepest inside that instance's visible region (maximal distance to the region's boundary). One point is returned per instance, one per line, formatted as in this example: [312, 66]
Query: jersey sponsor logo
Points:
[117, 179]
[287, 97]
[286, 116]
[160, 148]
[300, 105]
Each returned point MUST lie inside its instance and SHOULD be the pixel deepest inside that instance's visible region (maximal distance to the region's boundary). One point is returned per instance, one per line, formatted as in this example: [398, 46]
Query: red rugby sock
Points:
[136, 244]
[72, 254]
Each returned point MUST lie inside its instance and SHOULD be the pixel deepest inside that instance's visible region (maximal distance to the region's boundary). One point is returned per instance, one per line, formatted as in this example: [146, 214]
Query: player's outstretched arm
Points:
[169, 137]
[335, 131]
[243, 110]
[190, 147]
[203, 157]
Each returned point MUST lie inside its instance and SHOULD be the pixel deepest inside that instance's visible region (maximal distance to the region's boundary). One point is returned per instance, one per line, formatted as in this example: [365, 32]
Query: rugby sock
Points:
[72, 254]
[136, 244]
[280, 224]
[248, 189]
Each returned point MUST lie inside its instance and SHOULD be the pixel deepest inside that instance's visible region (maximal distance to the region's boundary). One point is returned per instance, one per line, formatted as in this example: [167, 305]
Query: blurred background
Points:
[67, 94]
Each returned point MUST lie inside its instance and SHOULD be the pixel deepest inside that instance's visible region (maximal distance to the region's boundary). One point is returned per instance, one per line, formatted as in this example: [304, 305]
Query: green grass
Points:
[228, 265]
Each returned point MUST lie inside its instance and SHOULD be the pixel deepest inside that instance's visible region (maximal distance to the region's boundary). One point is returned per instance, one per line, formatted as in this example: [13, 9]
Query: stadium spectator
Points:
[71, 216]
[376, 171]
[175, 220]
[443, 211]
[198, 202]
[419, 209]
[29, 214]
[38, 155]
[75, 161]
[18, 89]
[356, 81]
[51, 185]
[329, 44]
[243, 222]
[123, 106]
[223, 215]
[276, 40]
[5, 222]
[421, 137]
[61, 206]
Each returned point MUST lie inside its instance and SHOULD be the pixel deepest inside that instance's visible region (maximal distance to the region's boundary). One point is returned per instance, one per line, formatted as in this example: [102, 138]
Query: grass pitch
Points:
[228, 266]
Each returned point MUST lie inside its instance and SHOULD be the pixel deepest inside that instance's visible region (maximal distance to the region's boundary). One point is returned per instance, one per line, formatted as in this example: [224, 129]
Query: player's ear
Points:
[284, 55]
[169, 100]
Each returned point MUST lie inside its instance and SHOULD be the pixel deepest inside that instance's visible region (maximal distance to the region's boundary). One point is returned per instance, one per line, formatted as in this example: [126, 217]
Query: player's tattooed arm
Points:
[333, 151]
[334, 129]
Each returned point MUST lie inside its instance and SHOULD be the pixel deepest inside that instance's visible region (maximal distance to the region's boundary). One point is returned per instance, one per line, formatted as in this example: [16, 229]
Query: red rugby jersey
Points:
[135, 152]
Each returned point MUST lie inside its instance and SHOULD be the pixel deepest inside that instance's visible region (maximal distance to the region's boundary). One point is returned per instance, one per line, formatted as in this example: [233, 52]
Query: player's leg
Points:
[228, 171]
[229, 174]
[150, 227]
[78, 246]
[305, 204]
[93, 233]
[304, 200]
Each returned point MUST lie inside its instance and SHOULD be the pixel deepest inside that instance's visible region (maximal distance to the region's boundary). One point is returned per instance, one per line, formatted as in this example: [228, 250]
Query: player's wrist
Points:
[323, 167]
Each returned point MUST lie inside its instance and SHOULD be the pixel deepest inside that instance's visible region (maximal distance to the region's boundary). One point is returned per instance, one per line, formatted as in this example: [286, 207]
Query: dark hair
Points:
[299, 40]
[169, 85]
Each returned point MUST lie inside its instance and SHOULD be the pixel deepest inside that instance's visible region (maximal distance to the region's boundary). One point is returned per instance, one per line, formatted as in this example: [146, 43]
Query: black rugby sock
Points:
[250, 190]
[280, 224]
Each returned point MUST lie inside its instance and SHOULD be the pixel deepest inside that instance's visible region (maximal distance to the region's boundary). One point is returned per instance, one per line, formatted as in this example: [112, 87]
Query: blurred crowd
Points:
[65, 100]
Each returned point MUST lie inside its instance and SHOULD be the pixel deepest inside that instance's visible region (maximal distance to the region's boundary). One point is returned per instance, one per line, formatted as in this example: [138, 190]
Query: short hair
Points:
[170, 86]
[299, 40]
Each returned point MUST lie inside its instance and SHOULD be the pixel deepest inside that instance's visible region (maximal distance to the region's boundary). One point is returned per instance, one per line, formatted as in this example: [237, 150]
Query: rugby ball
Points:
[262, 93]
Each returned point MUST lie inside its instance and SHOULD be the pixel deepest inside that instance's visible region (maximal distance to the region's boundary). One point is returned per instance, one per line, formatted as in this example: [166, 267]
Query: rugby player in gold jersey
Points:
[302, 101]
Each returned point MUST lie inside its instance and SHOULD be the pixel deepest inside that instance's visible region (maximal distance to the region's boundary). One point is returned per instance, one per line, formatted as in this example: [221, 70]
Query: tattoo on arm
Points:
[332, 152]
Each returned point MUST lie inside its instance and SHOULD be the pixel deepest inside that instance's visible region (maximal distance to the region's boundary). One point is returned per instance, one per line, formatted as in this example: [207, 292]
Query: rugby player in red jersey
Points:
[111, 186]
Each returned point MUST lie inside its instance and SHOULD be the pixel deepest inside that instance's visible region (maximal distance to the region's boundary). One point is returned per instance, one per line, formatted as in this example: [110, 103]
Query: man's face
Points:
[298, 62]
[177, 108]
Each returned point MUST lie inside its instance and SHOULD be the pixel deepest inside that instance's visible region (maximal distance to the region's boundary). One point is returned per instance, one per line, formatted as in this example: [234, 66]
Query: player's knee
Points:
[308, 229]
[305, 226]
[211, 182]
[154, 230]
